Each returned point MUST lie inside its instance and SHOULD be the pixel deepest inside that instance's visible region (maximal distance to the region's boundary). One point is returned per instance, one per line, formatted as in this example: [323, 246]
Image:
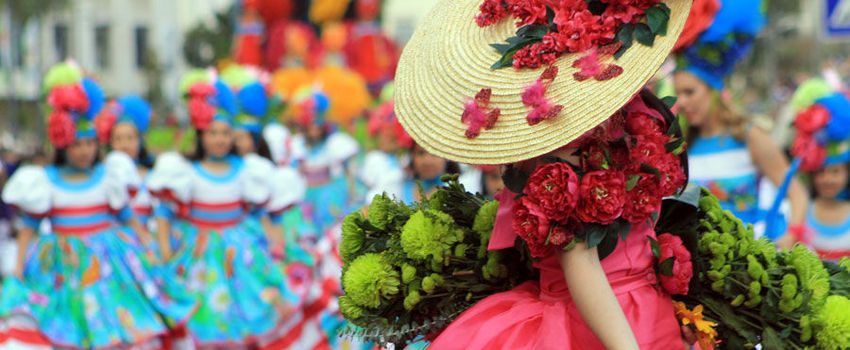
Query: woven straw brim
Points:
[448, 60]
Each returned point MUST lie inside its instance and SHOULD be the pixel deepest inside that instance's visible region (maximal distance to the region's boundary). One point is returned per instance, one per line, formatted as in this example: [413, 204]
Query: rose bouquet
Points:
[408, 270]
[743, 292]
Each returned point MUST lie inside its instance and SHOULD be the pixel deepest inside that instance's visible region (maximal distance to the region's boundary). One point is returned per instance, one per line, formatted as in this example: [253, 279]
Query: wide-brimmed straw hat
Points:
[448, 61]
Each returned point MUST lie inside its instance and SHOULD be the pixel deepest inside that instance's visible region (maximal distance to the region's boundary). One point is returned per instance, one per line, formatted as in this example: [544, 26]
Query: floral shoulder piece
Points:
[625, 167]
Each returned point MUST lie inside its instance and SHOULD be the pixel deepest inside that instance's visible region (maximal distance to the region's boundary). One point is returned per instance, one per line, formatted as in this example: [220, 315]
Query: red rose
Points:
[643, 200]
[60, 129]
[672, 176]
[531, 228]
[554, 188]
[672, 246]
[560, 237]
[812, 119]
[603, 194]
[642, 124]
[809, 151]
[648, 149]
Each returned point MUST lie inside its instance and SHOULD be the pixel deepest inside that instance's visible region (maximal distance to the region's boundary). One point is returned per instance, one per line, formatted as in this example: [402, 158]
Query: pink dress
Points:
[542, 315]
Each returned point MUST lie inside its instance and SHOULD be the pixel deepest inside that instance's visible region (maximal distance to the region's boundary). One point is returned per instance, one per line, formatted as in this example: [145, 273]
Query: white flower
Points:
[220, 299]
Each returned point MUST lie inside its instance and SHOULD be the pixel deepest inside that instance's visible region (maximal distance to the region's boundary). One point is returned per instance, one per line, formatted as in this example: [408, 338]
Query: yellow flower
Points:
[705, 331]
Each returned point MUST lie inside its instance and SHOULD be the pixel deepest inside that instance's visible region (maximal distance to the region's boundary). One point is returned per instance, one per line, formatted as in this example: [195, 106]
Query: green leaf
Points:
[515, 44]
[646, 168]
[502, 48]
[595, 234]
[624, 227]
[656, 249]
[771, 339]
[550, 14]
[625, 35]
[666, 266]
[644, 35]
[533, 31]
[607, 246]
[669, 101]
[658, 20]
[515, 179]
[674, 145]
[633, 180]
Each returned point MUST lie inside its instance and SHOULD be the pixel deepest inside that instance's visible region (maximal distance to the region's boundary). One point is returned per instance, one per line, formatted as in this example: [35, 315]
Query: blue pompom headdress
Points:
[254, 107]
[208, 98]
[130, 109]
[724, 43]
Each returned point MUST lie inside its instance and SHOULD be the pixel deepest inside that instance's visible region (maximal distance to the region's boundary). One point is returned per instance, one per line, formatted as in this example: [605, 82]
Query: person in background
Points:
[383, 168]
[728, 156]
[84, 284]
[822, 149]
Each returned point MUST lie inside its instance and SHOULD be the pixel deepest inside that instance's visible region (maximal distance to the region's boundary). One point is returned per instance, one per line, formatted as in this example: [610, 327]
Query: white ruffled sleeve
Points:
[28, 191]
[170, 180]
[123, 169]
[341, 147]
[256, 189]
[288, 188]
[278, 139]
[117, 188]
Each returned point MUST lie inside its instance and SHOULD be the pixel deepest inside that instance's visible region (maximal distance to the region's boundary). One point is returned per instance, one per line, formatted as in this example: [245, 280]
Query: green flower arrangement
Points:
[408, 270]
[786, 299]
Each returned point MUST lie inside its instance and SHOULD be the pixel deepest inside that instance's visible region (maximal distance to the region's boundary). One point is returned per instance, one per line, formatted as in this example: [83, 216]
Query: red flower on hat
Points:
[69, 98]
[812, 154]
[60, 129]
[476, 115]
[602, 196]
[104, 122]
[672, 247]
[492, 11]
[201, 112]
[812, 119]
[529, 11]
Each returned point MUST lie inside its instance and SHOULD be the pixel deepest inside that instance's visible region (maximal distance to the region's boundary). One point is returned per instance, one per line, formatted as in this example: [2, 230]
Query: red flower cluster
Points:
[68, 98]
[806, 147]
[201, 111]
[476, 115]
[577, 29]
[60, 128]
[624, 171]
[672, 247]
[104, 122]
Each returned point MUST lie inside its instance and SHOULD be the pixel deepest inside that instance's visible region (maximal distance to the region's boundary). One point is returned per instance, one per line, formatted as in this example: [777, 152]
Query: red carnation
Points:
[201, 112]
[103, 124]
[809, 151]
[642, 124]
[201, 90]
[672, 247]
[554, 188]
[60, 129]
[603, 194]
[69, 98]
[531, 227]
[643, 200]
[492, 11]
[812, 119]
[529, 11]
[627, 11]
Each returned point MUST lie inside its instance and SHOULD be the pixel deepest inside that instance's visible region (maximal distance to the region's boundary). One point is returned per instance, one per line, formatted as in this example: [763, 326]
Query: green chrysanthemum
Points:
[411, 300]
[483, 225]
[380, 210]
[845, 263]
[832, 324]
[352, 236]
[408, 273]
[349, 309]
[429, 236]
[368, 279]
[811, 273]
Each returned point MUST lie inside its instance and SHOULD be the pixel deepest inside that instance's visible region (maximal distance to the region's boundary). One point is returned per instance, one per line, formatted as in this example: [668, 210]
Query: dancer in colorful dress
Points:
[554, 122]
[728, 156]
[122, 125]
[325, 156]
[822, 148]
[216, 199]
[84, 284]
[383, 167]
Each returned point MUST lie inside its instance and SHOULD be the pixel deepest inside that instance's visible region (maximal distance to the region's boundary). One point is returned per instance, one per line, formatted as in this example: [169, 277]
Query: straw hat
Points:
[448, 60]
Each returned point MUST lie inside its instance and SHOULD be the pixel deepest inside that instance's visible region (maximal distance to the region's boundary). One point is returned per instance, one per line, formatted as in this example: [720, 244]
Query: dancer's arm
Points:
[595, 299]
[24, 236]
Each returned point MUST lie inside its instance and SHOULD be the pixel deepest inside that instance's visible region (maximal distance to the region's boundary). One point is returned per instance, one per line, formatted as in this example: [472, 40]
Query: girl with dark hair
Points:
[383, 167]
[822, 148]
[217, 202]
[85, 284]
[122, 126]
